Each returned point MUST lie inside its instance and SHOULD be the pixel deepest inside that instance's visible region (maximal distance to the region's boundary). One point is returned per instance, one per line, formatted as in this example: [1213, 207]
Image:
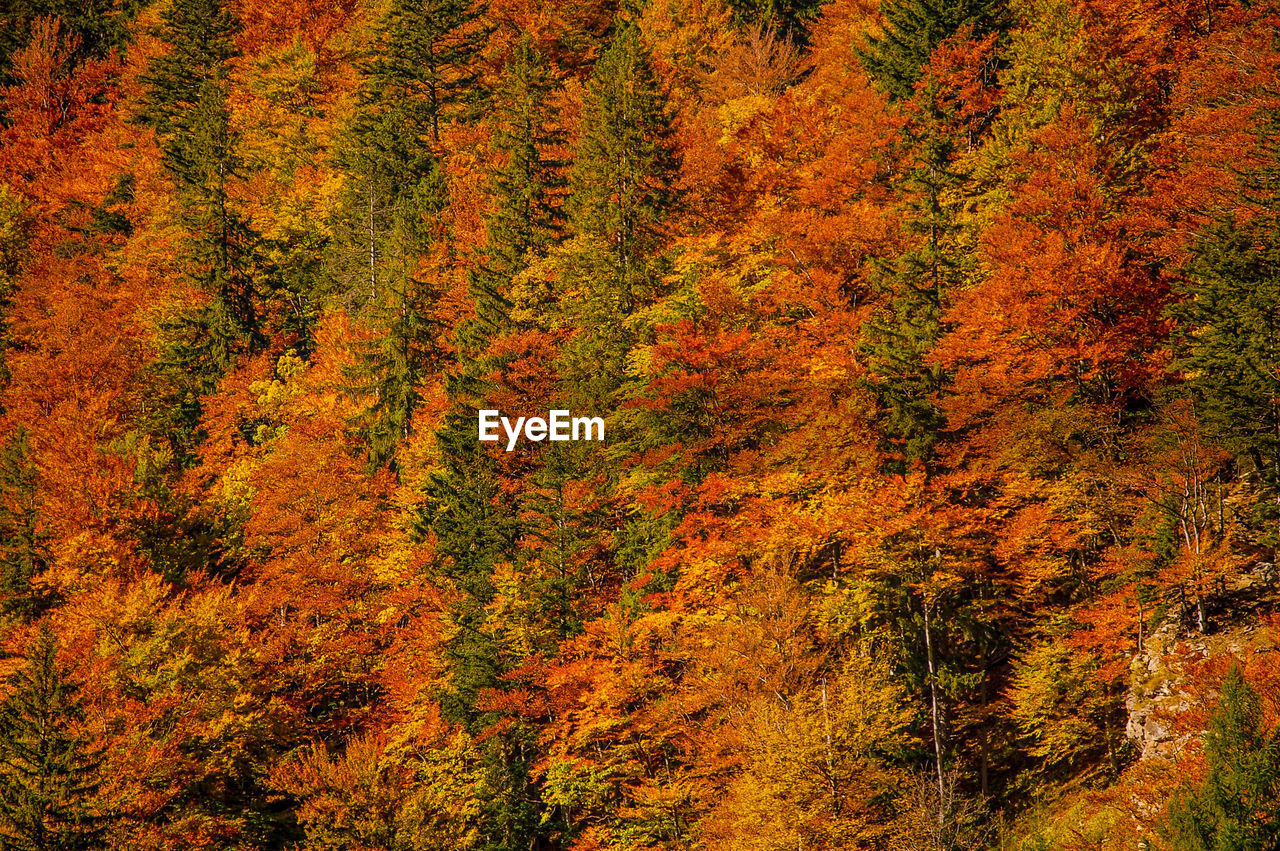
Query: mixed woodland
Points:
[938, 346]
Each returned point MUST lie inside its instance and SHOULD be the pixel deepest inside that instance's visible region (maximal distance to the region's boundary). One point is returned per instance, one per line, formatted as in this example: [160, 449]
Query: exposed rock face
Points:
[1157, 675]
[1155, 696]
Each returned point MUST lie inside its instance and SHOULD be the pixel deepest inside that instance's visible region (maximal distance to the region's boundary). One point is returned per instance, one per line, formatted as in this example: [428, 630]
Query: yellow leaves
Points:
[161, 645]
[372, 796]
[517, 608]
[578, 784]
[735, 114]
[841, 611]
[235, 490]
[811, 776]
[1059, 703]
[285, 77]
[274, 395]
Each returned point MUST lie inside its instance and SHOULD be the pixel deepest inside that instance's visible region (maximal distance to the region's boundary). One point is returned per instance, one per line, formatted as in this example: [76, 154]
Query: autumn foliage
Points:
[938, 346]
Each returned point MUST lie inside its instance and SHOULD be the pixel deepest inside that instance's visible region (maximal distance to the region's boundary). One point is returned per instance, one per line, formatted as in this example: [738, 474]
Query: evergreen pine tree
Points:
[13, 249]
[394, 190]
[22, 550]
[915, 286]
[560, 534]
[475, 527]
[527, 218]
[186, 103]
[624, 165]
[789, 17]
[428, 48]
[622, 193]
[1229, 316]
[913, 29]
[49, 773]
[396, 363]
[1237, 806]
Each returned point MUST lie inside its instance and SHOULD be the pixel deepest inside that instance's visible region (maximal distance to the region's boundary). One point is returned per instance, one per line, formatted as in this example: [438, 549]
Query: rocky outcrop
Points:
[1157, 675]
[1155, 697]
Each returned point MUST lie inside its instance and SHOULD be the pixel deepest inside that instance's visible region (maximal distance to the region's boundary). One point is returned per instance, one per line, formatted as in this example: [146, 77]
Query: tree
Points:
[473, 518]
[624, 165]
[427, 48]
[815, 772]
[790, 17]
[49, 776]
[527, 219]
[474, 528]
[98, 25]
[23, 545]
[622, 194]
[1237, 805]
[918, 285]
[394, 188]
[186, 103]
[1229, 343]
[913, 29]
[13, 246]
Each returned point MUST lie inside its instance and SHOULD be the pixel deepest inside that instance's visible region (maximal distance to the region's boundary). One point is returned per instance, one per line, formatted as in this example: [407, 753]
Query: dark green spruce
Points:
[622, 196]
[390, 155]
[476, 525]
[23, 554]
[913, 29]
[49, 771]
[186, 102]
[915, 287]
[1237, 805]
[1228, 340]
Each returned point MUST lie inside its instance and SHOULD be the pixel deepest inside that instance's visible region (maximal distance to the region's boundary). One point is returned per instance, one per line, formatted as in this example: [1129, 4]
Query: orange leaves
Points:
[962, 80]
[318, 22]
[1063, 303]
[1223, 89]
[711, 629]
[59, 99]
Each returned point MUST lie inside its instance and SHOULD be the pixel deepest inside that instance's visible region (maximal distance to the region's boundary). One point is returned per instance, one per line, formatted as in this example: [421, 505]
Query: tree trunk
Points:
[933, 699]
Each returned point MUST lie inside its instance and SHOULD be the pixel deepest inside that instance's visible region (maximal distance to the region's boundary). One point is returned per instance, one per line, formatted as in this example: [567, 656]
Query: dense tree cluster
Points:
[938, 346]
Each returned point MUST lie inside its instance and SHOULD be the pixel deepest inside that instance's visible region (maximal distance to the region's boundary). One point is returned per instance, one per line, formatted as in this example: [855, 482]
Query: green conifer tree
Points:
[789, 17]
[186, 103]
[428, 48]
[394, 191]
[475, 525]
[527, 218]
[22, 550]
[1237, 805]
[1229, 318]
[13, 250]
[49, 771]
[624, 165]
[915, 286]
[622, 194]
[913, 29]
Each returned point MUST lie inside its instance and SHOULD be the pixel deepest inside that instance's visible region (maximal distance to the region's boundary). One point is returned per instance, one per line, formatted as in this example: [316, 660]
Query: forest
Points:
[937, 349]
